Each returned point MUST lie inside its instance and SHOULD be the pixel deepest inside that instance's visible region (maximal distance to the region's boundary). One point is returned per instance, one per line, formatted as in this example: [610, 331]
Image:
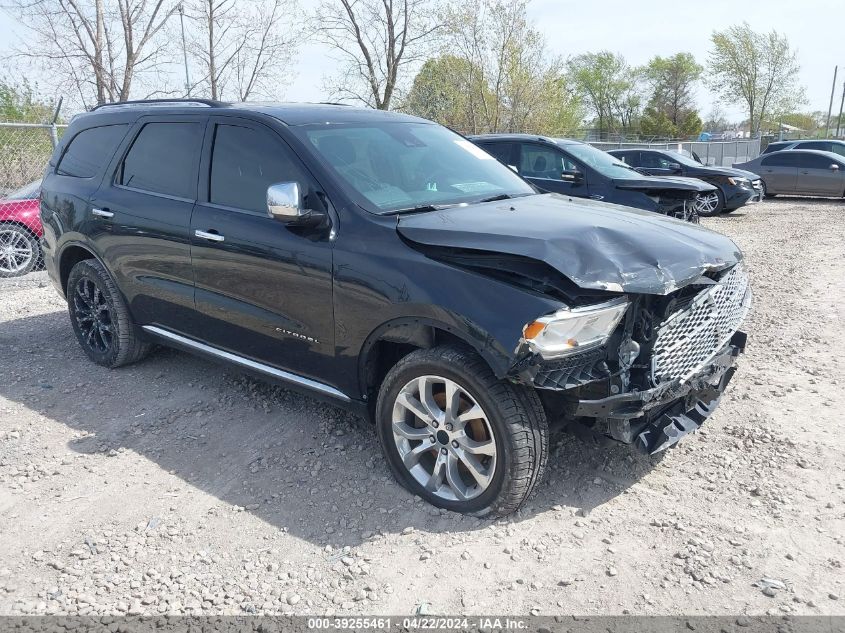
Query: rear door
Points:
[819, 175]
[263, 289]
[780, 171]
[144, 210]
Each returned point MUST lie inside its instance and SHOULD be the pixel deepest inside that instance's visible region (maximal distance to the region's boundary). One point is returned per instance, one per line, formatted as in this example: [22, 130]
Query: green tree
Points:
[20, 103]
[609, 87]
[443, 91]
[671, 107]
[758, 70]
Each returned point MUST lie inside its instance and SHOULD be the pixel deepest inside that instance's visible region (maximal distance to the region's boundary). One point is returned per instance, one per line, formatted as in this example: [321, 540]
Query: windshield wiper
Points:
[421, 208]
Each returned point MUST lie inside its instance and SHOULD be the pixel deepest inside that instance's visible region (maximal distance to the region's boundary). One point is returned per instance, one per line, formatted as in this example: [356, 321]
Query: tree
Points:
[95, 50]
[241, 46]
[20, 103]
[759, 70]
[376, 41]
[671, 110]
[496, 71]
[609, 87]
[443, 91]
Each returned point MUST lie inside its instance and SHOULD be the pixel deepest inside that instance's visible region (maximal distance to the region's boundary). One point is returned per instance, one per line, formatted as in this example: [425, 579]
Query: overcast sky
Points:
[638, 30]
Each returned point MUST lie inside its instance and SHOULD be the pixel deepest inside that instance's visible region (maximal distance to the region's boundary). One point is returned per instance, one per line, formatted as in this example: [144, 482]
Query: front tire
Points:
[457, 436]
[100, 317]
[710, 204]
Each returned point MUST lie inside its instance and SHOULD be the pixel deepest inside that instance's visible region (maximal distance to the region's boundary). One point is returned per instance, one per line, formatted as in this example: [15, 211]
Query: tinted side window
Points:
[90, 150]
[822, 145]
[654, 160]
[503, 152]
[163, 159]
[244, 162]
[785, 159]
[811, 161]
[540, 162]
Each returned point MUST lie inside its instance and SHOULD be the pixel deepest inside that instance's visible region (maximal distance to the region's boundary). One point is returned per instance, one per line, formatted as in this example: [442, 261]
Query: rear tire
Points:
[483, 455]
[19, 251]
[100, 317]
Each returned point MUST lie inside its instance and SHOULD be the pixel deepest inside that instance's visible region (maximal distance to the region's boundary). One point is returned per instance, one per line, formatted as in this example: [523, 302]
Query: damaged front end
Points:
[676, 203]
[660, 372]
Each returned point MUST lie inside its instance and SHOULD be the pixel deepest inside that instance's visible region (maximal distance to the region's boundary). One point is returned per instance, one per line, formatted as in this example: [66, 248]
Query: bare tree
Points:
[376, 41]
[241, 46]
[96, 49]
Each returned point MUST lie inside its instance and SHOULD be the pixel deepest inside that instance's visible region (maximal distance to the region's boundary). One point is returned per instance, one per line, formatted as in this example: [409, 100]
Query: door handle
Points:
[207, 235]
[102, 213]
[596, 197]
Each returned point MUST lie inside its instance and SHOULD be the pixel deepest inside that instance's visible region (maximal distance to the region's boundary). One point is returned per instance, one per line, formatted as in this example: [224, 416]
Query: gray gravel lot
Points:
[178, 486]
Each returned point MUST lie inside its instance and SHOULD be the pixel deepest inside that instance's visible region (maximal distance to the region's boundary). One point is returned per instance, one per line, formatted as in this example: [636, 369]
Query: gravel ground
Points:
[177, 486]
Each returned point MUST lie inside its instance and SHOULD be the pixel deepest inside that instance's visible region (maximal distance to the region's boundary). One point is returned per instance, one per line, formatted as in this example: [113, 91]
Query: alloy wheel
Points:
[707, 203]
[15, 252]
[444, 438]
[93, 316]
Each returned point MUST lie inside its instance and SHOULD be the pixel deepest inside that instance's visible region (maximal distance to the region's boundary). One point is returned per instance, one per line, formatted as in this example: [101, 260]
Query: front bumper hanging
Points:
[657, 418]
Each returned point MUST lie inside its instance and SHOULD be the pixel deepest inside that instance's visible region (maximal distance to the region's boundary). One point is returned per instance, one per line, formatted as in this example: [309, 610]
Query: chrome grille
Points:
[689, 338]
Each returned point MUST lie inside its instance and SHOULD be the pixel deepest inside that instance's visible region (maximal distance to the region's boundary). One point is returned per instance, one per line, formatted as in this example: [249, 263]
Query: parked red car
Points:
[20, 230]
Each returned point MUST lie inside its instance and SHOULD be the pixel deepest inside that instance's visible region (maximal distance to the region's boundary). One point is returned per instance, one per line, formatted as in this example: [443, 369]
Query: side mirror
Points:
[285, 203]
[834, 166]
[676, 167]
[572, 176]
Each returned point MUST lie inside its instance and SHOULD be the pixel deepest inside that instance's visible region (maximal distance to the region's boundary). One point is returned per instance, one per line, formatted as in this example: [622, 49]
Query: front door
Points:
[817, 176]
[263, 289]
[550, 170]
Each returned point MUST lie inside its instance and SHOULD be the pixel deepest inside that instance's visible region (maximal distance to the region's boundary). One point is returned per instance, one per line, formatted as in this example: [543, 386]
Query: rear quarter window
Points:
[90, 150]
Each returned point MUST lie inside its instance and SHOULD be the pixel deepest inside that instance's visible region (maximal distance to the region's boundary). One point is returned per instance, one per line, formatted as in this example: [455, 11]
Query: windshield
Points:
[401, 166]
[602, 162]
[27, 192]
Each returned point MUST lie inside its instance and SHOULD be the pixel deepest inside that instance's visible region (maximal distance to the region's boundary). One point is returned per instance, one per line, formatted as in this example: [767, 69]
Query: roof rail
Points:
[209, 103]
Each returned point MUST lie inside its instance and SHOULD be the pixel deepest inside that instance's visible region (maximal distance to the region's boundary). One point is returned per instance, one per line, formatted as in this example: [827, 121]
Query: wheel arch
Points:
[70, 255]
[394, 339]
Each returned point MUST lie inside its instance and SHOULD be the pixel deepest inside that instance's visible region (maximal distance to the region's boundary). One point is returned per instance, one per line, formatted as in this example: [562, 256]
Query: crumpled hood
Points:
[594, 244]
[663, 182]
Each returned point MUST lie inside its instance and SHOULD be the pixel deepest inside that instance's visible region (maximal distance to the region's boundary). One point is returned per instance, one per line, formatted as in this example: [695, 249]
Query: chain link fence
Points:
[25, 149]
[718, 153]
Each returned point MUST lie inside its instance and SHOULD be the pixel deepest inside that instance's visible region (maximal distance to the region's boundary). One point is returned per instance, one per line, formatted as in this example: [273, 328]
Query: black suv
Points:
[386, 263]
[734, 187]
[577, 169]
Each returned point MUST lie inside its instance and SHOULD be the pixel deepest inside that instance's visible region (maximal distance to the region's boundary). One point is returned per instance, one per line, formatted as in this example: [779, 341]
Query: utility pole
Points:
[185, 53]
[841, 103]
[830, 107]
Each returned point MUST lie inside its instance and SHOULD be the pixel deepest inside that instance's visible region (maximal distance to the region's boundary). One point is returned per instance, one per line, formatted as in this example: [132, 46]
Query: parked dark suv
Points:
[577, 169]
[388, 264]
[734, 187]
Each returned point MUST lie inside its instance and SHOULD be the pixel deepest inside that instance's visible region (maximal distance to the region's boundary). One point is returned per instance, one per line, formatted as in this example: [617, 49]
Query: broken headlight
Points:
[572, 330]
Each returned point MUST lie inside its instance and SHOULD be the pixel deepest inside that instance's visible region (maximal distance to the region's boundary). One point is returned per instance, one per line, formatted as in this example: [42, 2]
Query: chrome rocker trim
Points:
[247, 363]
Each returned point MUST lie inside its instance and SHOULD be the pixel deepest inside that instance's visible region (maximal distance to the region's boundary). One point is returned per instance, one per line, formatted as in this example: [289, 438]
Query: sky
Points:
[638, 29]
